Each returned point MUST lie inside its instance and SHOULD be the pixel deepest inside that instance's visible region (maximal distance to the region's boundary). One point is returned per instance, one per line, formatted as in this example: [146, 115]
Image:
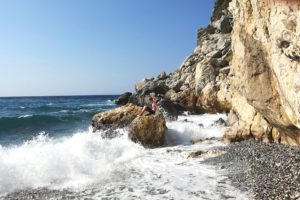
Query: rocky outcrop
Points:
[117, 118]
[149, 130]
[200, 84]
[265, 75]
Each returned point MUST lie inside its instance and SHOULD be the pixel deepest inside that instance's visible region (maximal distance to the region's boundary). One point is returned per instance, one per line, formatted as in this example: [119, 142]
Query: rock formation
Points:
[247, 63]
[123, 99]
[149, 130]
[265, 75]
[201, 83]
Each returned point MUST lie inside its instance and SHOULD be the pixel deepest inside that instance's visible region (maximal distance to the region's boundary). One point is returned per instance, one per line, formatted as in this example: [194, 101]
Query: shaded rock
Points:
[135, 99]
[220, 6]
[175, 85]
[162, 76]
[236, 134]
[201, 125]
[123, 99]
[147, 87]
[148, 130]
[171, 110]
[224, 24]
[220, 122]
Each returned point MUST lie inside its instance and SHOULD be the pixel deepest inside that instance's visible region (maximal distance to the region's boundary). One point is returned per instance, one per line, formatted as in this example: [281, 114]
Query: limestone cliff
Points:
[247, 63]
[265, 72]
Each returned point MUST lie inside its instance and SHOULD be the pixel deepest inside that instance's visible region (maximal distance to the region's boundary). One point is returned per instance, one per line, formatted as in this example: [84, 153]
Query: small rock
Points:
[196, 141]
[196, 154]
[220, 122]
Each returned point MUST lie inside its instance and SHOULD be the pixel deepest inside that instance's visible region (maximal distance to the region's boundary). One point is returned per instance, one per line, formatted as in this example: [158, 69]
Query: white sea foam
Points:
[106, 168]
[193, 127]
[24, 116]
[107, 103]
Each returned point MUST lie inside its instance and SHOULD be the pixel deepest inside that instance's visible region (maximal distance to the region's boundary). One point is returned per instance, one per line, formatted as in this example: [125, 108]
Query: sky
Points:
[93, 47]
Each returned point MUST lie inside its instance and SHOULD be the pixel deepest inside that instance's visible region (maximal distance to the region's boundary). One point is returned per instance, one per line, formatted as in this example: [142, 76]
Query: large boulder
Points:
[111, 120]
[124, 98]
[156, 86]
[148, 130]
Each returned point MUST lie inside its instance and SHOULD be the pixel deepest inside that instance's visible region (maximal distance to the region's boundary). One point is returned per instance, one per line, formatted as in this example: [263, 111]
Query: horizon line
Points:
[32, 96]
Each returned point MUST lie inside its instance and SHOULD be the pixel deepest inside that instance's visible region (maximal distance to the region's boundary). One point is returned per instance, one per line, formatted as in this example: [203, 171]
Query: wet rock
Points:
[196, 154]
[171, 109]
[220, 122]
[196, 141]
[206, 154]
[201, 125]
[148, 130]
[123, 99]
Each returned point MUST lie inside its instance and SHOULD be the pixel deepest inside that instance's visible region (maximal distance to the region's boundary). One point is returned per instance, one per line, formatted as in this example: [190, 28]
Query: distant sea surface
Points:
[22, 118]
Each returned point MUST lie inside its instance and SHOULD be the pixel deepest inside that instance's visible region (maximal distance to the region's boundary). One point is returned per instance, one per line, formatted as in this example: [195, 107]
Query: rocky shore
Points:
[266, 171]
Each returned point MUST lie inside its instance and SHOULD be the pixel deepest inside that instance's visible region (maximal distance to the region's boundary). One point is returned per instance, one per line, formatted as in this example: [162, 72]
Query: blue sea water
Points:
[22, 118]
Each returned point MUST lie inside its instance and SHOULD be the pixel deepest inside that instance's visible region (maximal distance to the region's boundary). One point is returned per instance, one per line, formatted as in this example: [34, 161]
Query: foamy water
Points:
[92, 167]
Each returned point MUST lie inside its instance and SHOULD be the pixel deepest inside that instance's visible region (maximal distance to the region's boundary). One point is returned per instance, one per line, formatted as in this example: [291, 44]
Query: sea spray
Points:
[85, 164]
[65, 162]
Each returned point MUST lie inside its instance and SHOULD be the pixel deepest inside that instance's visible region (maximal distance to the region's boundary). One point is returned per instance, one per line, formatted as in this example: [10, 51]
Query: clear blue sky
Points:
[72, 47]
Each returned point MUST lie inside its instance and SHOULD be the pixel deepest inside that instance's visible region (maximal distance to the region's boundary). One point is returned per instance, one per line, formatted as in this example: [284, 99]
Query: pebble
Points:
[268, 171]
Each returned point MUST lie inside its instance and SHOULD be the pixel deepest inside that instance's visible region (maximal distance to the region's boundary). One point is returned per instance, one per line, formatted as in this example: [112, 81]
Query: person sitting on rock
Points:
[152, 110]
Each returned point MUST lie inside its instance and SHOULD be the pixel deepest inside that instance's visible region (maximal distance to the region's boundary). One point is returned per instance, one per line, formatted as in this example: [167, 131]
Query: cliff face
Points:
[265, 72]
[247, 63]
[200, 84]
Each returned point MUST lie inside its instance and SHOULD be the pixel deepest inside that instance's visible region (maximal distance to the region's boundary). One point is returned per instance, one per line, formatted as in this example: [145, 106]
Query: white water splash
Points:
[24, 116]
[88, 165]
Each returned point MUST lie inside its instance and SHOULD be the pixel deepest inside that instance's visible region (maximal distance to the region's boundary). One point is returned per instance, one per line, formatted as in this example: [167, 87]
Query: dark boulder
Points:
[123, 99]
[220, 122]
[171, 110]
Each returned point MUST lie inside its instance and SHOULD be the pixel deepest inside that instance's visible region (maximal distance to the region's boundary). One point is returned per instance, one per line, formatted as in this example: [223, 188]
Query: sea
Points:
[49, 151]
